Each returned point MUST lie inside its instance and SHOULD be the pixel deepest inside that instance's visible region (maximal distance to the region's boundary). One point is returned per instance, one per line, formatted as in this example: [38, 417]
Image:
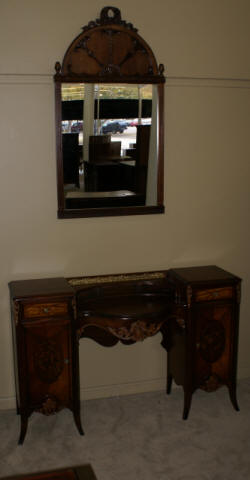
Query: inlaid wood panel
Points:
[213, 346]
[214, 294]
[48, 363]
[45, 309]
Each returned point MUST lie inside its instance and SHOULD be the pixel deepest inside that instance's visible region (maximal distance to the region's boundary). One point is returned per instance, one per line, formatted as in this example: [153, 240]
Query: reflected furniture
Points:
[102, 199]
[101, 149]
[141, 157]
[71, 158]
[196, 310]
[107, 170]
[101, 171]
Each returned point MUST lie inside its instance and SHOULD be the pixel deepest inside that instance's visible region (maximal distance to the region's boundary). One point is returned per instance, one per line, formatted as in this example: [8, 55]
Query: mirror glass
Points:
[109, 141]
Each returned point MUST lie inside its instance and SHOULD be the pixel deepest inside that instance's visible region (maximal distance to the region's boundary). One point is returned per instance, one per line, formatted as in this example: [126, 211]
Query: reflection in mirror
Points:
[109, 144]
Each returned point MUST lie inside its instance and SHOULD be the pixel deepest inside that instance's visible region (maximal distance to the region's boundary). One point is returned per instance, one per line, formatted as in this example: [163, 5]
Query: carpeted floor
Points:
[138, 437]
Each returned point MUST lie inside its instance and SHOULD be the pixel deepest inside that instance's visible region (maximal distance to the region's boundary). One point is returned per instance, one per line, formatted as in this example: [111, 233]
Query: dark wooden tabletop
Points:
[83, 472]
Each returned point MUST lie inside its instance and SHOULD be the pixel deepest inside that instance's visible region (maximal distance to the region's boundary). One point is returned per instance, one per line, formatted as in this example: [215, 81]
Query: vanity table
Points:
[196, 310]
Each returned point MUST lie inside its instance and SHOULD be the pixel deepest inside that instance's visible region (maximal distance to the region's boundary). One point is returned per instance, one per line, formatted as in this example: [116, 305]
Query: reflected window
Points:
[106, 140]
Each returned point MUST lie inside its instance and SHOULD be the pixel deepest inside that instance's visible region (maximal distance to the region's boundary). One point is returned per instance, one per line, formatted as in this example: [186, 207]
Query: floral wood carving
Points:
[109, 46]
[50, 406]
[212, 341]
[74, 308]
[212, 383]
[48, 360]
[136, 331]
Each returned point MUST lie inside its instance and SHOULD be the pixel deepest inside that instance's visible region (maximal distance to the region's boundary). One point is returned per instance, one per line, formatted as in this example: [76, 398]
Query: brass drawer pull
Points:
[46, 310]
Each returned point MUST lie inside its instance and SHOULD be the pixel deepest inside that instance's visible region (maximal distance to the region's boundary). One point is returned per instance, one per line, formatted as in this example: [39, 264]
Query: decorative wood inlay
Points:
[116, 278]
[189, 295]
[74, 308]
[214, 294]
[109, 38]
[110, 47]
[211, 383]
[48, 360]
[50, 406]
[212, 341]
[16, 312]
[45, 309]
[136, 331]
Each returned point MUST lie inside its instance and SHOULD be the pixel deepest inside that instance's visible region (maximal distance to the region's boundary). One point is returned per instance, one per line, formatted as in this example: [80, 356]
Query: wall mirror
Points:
[109, 122]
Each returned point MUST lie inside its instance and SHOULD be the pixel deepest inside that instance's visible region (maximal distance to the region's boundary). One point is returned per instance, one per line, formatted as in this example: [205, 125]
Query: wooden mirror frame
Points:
[109, 50]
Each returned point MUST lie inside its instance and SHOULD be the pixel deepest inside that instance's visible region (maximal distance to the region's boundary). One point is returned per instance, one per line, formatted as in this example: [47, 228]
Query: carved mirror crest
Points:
[109, 122]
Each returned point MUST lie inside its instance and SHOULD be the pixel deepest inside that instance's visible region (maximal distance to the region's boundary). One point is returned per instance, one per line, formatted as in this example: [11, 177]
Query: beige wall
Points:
[205, 48]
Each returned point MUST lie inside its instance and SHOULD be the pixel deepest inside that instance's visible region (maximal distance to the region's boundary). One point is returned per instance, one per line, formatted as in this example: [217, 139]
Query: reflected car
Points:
[65, 126]
[114, 126]
[144, 121]
[77, 127]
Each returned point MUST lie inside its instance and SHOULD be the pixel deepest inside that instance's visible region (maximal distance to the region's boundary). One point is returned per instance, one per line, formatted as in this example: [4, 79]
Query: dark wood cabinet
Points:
[196, 310]
[46, 356]
[203, 331]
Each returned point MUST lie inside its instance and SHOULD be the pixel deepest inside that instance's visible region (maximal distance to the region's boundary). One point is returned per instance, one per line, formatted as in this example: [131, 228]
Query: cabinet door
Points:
[213, 347]
[48, 364]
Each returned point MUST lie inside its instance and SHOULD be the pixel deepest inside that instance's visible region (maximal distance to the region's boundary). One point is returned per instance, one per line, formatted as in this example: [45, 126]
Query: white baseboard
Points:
[7, 403]
[116, 390]
[243, 372]
[105, 391]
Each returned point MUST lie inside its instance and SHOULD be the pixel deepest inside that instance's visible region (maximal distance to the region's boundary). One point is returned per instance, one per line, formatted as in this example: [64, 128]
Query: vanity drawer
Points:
[53, 309]
[221, 293]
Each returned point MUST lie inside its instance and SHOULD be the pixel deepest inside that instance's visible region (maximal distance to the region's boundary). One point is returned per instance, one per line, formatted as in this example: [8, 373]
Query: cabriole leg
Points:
[187, 404]
[24, 424]
[169, 383]
[233, 398]
[77, 419]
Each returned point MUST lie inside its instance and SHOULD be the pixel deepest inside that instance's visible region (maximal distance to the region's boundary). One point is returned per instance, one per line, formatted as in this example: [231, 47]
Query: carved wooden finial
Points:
[161, 69]
[58, 68]
[109, 16]
[112, 14]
